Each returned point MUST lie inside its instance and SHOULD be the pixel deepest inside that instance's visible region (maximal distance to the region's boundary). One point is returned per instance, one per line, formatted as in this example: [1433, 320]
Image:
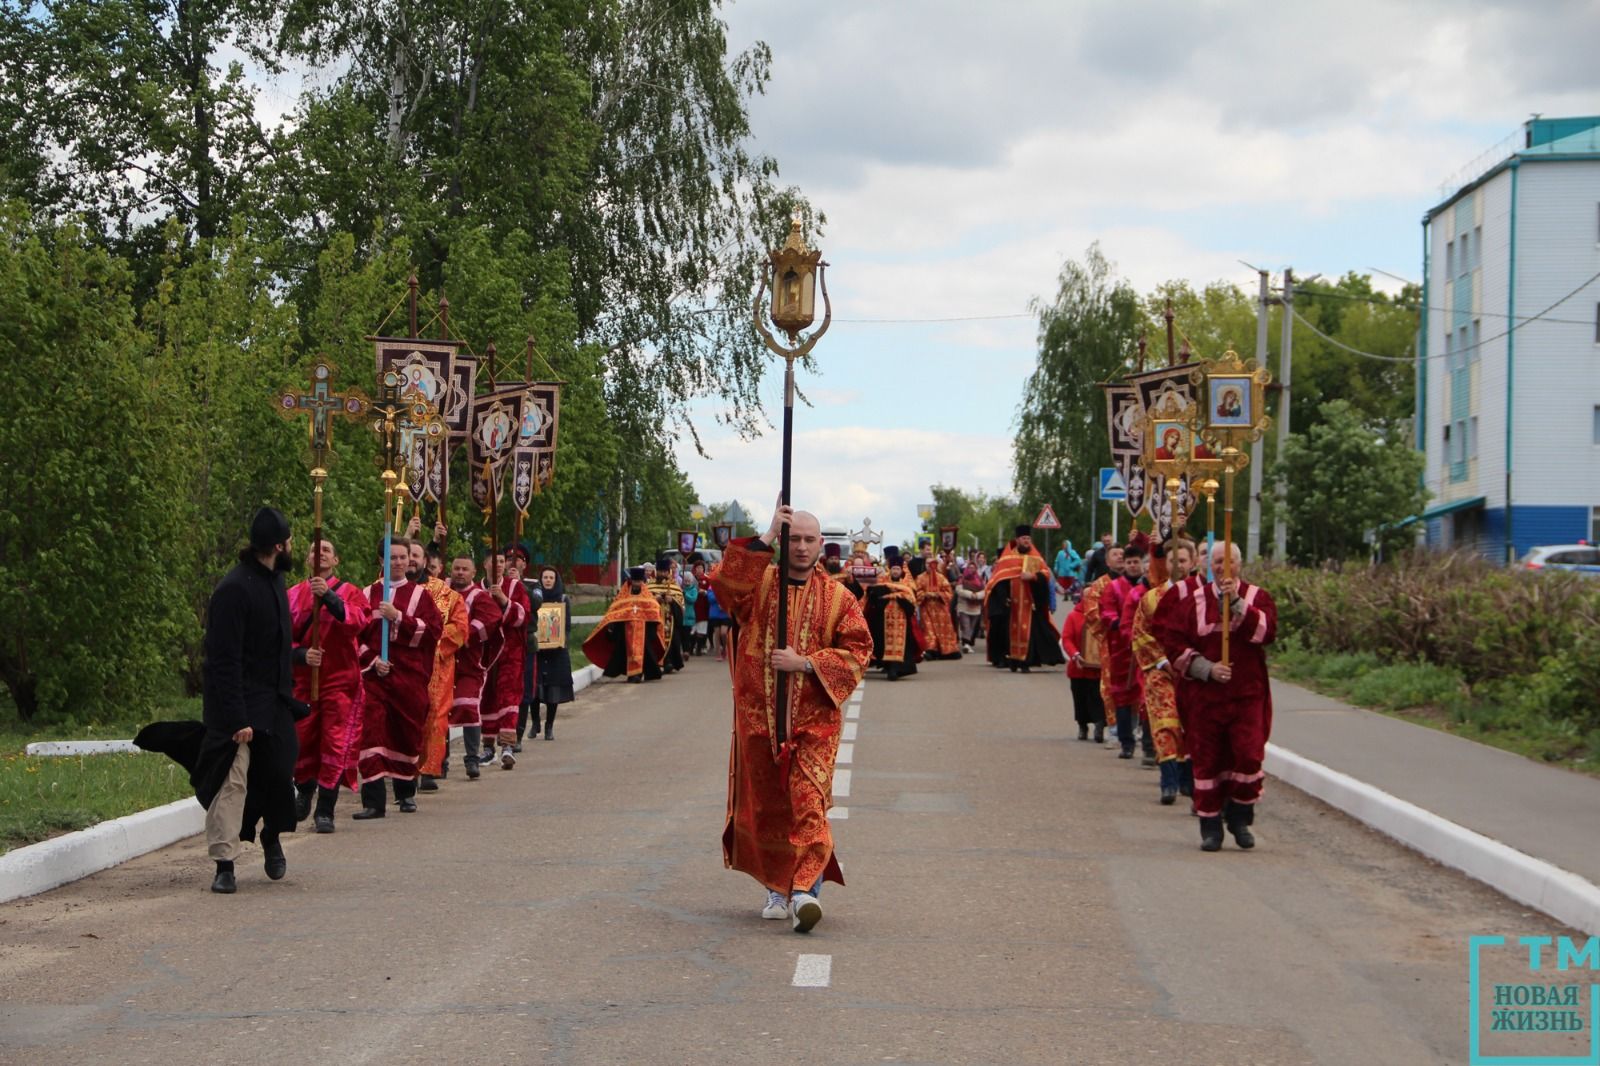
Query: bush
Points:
[1404, 685]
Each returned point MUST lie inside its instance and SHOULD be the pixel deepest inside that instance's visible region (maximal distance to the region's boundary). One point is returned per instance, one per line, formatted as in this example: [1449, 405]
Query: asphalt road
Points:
[1014, 896]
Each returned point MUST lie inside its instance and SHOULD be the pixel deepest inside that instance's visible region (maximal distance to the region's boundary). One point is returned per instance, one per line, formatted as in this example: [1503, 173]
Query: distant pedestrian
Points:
[1096, 565]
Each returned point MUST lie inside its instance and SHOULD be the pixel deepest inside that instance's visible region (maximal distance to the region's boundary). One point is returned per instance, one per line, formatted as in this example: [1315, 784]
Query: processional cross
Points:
[322, 404]
[401, 418]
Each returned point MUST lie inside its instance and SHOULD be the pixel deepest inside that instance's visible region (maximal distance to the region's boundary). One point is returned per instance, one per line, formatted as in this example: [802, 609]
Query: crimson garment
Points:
[327, 734]
[1226, 725]
[396, 712]
[1117, 616]
[780, 787]
[483, 624]
[502, 690]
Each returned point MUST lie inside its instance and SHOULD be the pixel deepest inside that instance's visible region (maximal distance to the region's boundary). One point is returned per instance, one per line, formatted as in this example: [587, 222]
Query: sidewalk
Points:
[1542, 811]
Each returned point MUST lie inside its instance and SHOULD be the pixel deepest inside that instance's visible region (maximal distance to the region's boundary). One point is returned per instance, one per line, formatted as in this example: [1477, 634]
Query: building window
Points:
[1472, 437]
[1597, 323]
[1474, 341]
[1464, 260]
[1597, 425]
[1450, 259]
[1594, 526]
[1477, 246]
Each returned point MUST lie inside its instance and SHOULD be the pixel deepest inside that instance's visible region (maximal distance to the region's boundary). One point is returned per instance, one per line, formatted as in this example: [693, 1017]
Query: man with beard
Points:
[396, 710]
[325, 735]
[628, 639]
[890, 611]
[934, 597]
[483, 622]
[241, 755]
[1021, 634]
[502, 690]
[1117, 607]
[669, 594]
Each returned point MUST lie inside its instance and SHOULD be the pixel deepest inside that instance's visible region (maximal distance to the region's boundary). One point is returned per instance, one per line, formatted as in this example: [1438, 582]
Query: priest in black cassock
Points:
[1021, 634]
[241, 755]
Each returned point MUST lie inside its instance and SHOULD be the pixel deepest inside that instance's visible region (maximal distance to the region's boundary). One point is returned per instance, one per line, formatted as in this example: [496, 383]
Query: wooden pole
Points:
[1227, 560]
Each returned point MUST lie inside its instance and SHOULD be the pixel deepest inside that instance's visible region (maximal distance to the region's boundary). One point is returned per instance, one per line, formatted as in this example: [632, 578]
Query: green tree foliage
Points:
[91, 486]
[988, 518]
[1346, 481]
[1086, 335]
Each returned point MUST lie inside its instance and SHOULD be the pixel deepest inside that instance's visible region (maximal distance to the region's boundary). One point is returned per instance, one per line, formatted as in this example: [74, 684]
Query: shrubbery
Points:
[1497, 646]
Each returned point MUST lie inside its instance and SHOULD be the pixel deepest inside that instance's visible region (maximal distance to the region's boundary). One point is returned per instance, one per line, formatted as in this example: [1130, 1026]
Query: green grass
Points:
[1433, 696]
[44, 797]
[575, 638]
[589, 607]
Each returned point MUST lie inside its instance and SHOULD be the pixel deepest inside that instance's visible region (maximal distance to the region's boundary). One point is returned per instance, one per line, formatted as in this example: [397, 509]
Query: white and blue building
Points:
[1508, 379]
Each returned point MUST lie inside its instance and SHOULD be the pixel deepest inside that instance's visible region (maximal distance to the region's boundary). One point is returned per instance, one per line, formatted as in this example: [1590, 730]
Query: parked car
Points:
[712, 556]
[1583, 558]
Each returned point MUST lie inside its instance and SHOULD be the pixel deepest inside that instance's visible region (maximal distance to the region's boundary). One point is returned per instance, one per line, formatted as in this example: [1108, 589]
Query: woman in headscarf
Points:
[969, 604]
[555, 662]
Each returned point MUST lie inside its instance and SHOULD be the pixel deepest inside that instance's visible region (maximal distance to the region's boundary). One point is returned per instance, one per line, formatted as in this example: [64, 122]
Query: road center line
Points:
[839, 814]
[813, 971]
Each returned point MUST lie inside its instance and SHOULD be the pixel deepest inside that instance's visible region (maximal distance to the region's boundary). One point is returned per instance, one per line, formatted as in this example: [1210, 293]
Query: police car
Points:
[1583, 558]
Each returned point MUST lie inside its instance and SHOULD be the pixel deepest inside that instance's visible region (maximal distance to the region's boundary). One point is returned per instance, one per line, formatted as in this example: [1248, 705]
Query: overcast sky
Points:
[963, 151]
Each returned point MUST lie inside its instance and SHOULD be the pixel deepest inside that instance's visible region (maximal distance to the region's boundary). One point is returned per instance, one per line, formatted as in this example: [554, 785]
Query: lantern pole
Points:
[793, 253]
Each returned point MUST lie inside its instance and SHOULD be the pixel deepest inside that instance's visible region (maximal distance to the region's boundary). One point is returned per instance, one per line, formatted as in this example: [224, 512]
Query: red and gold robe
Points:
[442, 685]
[1160, 692]
[641, 648]
[780, 787]
[1094, 628]
[934, 595]
[1021, 573]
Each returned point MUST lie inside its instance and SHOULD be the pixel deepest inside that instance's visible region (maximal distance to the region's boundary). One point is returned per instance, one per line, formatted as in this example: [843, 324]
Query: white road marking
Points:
[813, 971]
[839, 814]
[841, 783]
[850, 730]
[853, 711]
[846, 753]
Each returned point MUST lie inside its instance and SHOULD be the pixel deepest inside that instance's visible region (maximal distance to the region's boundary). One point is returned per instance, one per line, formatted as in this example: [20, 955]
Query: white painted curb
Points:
[1559, 893]
[37, 868]
[83, 747]
[52, 863]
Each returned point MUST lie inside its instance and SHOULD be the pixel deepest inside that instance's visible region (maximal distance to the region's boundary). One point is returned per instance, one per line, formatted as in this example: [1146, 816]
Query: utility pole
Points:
[1252, 543]
[1280, 513]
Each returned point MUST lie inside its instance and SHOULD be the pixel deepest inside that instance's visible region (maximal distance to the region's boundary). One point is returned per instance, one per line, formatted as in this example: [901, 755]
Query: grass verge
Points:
[1437, 697]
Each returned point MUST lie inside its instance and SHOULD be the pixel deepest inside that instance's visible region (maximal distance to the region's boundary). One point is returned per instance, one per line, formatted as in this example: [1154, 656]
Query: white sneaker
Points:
[507, 759]
[777, 907]
[807, 912]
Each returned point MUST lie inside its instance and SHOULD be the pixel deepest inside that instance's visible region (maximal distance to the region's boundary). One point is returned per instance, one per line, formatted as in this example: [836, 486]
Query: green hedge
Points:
[1526, 640]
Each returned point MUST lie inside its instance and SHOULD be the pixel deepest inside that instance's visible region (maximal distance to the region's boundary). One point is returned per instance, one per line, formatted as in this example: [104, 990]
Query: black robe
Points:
[248, 681]
[877, 603]
[1044, 648]
[554, 684]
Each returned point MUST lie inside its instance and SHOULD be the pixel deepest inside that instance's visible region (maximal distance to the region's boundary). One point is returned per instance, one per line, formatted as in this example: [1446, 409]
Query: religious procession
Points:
[438, 620]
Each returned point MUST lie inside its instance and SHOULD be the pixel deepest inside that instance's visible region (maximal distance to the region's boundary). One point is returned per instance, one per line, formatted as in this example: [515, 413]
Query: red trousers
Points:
[326, 737]
[1227, 741]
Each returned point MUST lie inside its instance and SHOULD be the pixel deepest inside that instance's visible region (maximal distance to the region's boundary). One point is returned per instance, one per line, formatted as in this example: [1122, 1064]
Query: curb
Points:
[1559, 893]
[83, 747]
[36, 868]
[52, 863]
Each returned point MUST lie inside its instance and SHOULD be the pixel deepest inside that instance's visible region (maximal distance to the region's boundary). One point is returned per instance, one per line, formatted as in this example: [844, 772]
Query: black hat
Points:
[1023, 530]
[696, 557]
[635, 573]
[268, 529]
[663, 563]
[891, 554]
[831, 551]
[918, 565]
[521, 551]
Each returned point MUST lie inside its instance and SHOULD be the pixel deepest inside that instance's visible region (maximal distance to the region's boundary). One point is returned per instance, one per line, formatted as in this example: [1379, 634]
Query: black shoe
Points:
[549, 733]
[1099, 734]
[1125, 753]
[1239, 817]
[302, 800]
[1210, 834]
[224, 883]
[1169, 796]
[367, 813]
[323, 823]
[1083, 731]
[408, 806]
[429, 783]
[472, 769]
[516, 749]
[277, 865]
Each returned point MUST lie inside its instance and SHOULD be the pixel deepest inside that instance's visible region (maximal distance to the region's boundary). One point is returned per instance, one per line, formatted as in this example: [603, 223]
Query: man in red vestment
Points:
[780, 786]
[627, 642]
[1117, 606]
[335, 720]
[472, 659]
[396, 710]
[442, 683]
[1227, 706]
[502, 691]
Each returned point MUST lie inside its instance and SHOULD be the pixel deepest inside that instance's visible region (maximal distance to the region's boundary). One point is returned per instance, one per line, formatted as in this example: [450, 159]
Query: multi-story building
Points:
[1508, 382]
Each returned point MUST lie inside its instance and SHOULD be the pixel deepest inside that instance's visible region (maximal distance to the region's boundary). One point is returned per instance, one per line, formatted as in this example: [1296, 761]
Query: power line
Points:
[1457, 351]
[1380, 302]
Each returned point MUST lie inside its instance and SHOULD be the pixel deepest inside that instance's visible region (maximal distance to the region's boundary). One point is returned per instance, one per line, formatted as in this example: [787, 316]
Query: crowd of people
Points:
[327, 685]
[331, 686]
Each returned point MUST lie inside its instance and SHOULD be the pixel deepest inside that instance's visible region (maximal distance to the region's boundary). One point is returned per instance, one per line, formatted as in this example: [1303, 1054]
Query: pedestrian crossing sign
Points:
[1047, 518]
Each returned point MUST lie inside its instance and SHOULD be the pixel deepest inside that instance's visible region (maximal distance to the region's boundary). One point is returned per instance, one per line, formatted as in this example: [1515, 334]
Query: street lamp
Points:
[792, 273]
